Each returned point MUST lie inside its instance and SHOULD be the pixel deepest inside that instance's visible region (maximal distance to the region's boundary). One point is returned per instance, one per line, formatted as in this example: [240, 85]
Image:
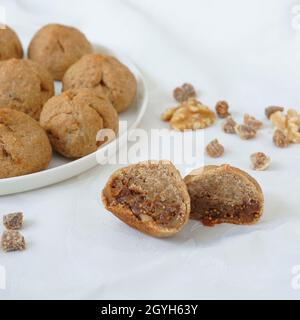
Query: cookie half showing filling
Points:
[224, 194]
[149, 196]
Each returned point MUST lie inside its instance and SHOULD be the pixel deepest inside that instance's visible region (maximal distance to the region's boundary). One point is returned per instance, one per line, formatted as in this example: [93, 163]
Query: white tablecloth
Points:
[244, 51]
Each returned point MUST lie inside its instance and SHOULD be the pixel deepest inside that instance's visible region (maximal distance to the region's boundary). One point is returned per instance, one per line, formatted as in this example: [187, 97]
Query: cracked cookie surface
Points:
[73, 119]
[24, 86]
[105, 74]
[24, 145]
[57, 47]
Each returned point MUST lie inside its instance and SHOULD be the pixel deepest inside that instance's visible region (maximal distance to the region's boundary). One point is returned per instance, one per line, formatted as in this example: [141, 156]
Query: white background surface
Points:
[244, 51]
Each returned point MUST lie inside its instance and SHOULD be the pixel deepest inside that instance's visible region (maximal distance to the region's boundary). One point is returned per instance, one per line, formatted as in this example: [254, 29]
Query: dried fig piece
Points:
[224, 194]
[252, 122]
[184, 92]
[260, 161]
[149, 196]
[214, 149]
[229, 125]
[280, 139]
[222, 109]
[245, 132]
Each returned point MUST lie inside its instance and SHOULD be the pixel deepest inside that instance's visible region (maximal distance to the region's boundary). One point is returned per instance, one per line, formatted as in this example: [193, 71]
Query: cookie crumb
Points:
[260, 161]
[245, 132]
[222, 108]
[229, 125]
[13, 221]
[280, 139]
[214, 149]
[184, 92]
[12, 240]
[252, 122]
[272, 109]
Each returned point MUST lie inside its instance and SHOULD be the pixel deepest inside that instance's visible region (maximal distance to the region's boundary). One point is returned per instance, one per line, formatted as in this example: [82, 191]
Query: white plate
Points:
[60, 168]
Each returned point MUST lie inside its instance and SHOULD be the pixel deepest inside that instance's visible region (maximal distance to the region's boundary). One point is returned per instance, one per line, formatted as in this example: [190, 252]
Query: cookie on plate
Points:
[57, 47]
[24, 145]
[24, 86]
[224, 194]
[73, 119]
[149, 196]
[106, 74]
[10, 44]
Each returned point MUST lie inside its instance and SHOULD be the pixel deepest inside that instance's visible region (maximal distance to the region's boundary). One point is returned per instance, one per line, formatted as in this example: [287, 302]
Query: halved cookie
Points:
[149, 196]
[224, 194]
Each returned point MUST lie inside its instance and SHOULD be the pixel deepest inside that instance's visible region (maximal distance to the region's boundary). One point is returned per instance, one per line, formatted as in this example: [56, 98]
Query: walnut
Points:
[280, 139]
[228, 125]
[192, 115]
[279, 120]
[293, 131]
[13, 221]
[12, 241]
[222, 108]
[272, 109]
[245, 132]
[214, 149]
[168, 114]
[184, 92]
[260, 161]
[289, 124]
[252, 122]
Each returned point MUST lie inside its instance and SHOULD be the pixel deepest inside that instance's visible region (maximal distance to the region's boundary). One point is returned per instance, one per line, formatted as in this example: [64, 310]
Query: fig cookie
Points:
[57, 47]
[106, 74]
[149, 196]
[24, 86]
[10, 44]
[224, 194]
[73, 119]
[24, 145]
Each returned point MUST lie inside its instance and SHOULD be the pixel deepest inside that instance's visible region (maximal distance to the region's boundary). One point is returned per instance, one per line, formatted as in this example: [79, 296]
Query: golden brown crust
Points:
[24, 86]
[57, 47]
[24, 145]
[106, 74]
[10, 44]
[73, 119]
[252, 199]
[145, 221]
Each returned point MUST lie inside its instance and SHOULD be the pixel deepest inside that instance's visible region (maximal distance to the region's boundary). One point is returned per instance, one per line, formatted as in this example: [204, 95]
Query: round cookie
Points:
[74, 118]
[57, 47]
[106, 74]
[24, 86]
[24, 145]
[10, 45]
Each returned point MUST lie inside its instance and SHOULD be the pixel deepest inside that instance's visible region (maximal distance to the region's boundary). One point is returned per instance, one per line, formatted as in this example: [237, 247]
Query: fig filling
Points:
[212, 211]
[223, 198]
[149, 199]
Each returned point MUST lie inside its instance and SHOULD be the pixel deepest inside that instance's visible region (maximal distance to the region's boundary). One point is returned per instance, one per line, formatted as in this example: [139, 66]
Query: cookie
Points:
[106, 74]
[24, 86]
[57, 47]
[24, 145]
[73, 119]
[224, 194]
[10, 45]
[149, 196]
